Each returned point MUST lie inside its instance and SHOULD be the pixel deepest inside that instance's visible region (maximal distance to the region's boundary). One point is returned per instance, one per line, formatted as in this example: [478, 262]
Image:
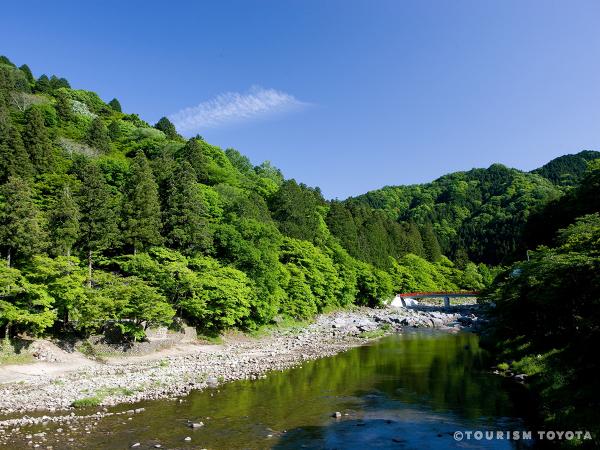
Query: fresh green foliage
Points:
[547, 314]
[567, 170]
[110, 223]
[87, 402]
[582, 199]
[480, 213]
[97, 135]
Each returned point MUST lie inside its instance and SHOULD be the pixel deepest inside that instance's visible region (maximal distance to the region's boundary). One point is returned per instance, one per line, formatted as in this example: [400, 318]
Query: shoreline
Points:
[124, 381]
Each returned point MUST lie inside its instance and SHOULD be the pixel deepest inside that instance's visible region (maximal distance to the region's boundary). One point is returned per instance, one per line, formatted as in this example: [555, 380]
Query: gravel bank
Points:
[239, 358]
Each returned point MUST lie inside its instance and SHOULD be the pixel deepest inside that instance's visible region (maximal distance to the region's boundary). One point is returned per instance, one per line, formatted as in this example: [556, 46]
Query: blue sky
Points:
[345, 95]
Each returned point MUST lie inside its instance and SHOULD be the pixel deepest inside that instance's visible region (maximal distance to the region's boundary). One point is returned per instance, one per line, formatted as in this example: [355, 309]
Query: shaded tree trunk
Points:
[90, 268]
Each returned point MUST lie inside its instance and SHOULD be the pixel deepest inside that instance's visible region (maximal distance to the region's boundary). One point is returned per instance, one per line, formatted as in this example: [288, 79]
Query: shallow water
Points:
[403, 391]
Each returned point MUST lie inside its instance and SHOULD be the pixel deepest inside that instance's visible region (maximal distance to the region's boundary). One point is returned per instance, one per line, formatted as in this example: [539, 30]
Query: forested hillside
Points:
[481, 215]
[106, 220]
[477, 215]
[567, 170]
[547, 309]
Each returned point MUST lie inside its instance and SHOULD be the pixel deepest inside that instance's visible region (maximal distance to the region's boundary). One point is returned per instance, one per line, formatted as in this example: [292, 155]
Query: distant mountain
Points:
[567, 170]
[478, 214]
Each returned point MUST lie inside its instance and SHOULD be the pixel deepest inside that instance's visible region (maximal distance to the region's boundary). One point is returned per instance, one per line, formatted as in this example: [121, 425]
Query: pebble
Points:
[281, 350]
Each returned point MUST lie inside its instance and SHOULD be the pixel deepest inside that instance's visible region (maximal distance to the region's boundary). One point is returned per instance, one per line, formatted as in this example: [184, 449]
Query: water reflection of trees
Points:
[423, 376]
[440, 371]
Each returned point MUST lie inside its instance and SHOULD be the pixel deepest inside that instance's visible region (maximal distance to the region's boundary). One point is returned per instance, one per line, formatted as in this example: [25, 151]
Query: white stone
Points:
[400, 302]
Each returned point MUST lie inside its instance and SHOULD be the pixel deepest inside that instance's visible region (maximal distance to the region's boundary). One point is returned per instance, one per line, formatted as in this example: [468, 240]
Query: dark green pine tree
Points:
[167, 127]
[43, 84]
[295, 208]
[14, 159]
[21, 233]
[98, 223]
[115, 105]
[64, 223]
[97, 135]
[63, 106]
[431, 246]
[114, 130]
[141, 209]
[37, 141]
[27, 71]
[5, 60]
[461, 258]
[5, 150]
[185, 224]
[341, 224]
[414, 240]
[57, 83]
[193, 153]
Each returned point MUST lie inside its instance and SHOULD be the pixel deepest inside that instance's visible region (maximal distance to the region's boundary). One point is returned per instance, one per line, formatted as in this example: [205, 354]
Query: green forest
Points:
[540, 232]
[108, 222]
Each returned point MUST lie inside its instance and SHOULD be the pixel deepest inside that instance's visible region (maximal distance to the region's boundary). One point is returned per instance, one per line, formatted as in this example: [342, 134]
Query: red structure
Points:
[439, 294]
[445, 295]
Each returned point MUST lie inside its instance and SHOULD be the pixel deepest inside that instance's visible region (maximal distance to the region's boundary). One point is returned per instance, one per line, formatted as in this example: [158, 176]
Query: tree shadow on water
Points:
[373, 434]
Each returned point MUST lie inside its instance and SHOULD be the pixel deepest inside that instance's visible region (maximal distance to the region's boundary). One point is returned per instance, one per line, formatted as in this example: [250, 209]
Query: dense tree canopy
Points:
[481, 213]
[106, 220]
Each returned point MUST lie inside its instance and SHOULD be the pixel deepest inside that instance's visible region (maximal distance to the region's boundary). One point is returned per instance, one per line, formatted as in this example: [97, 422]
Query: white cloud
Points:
[234, 107]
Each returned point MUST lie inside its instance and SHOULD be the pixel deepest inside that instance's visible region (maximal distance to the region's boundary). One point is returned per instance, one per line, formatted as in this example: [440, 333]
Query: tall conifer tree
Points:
[64, 222]
[21, 232]
[184, 217]
[167, 127]
[37, 141]
[194, 154]
[115, 105]
[141, 209]
[98, 222]
[97, 135]
[431, 246]
[63, 107]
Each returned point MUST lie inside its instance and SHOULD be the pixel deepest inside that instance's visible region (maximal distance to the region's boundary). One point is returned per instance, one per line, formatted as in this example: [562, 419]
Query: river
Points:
[403, 391]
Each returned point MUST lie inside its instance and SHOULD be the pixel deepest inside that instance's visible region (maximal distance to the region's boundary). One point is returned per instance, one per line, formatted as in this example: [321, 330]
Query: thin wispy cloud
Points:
[232, 107]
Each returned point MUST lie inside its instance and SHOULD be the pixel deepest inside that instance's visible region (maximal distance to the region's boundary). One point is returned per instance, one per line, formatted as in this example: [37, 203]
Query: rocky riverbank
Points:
[54, 398]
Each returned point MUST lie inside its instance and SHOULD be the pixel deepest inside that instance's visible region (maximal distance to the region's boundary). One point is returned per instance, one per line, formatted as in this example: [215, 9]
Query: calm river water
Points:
[403, 391]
